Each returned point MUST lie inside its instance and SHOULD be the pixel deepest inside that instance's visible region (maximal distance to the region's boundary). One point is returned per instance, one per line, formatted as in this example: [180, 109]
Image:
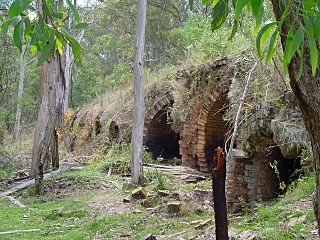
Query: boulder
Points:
[174, 207]
[293, 221]
[151, 202]
[138, 193]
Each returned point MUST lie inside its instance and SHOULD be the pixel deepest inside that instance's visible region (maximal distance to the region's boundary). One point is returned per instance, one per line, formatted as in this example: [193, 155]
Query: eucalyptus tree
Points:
[139, 105]
[296, 24]
[42, 24]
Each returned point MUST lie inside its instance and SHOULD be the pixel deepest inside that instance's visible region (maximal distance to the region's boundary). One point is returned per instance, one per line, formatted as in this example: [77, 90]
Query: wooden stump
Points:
[219, 195]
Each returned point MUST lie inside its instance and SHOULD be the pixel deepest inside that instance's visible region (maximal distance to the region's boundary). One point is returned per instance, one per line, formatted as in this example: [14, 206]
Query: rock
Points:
[248, 235]
[126, 234]
[293, 221]
[149, 237]
[151, 202]
[138, 193]
[204, 223]
[232, 233]
[174, 207]
[163, 193]
[126, 200]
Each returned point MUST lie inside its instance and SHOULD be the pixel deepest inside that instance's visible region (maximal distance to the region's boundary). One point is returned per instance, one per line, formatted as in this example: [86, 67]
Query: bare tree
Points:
[139, 105]
[17, 127]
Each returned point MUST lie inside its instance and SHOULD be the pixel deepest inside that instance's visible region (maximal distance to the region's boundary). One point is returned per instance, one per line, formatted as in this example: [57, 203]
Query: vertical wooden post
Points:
[139, 104]
[219, 195]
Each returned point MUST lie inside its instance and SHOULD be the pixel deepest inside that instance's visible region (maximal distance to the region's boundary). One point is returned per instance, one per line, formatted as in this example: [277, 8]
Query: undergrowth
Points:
[271, 220]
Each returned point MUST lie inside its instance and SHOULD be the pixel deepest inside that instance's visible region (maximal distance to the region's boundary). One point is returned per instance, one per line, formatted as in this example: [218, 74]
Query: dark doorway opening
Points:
[216, 129]
[289, 169]
[161, 140]
[114, 132]
[98, 126]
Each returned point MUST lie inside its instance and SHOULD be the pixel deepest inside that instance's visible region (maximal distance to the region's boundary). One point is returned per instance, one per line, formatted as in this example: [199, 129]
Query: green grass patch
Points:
[270, 221]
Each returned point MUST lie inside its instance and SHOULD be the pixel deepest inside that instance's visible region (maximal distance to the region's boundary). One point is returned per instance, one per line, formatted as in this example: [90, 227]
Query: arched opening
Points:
[98, 126]
[287, 170]
[114, 132]
[212, 130]
[160, 139]
[268, 169]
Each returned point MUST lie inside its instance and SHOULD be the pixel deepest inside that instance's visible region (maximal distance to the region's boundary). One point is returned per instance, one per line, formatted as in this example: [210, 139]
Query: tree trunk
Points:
[219, 195]
[17, 128]
[139, 105]
[67, 74]
[307, 91]
[45, 123]
[68, 71]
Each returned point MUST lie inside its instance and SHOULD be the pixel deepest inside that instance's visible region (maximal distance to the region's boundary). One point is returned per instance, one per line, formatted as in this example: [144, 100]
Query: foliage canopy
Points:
[299, 31]
[42, 24]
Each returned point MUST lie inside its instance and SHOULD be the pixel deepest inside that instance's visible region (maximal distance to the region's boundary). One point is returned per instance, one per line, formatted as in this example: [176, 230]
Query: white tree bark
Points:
[139, 105]
[45, 122]
[68, 71]
[17, 128]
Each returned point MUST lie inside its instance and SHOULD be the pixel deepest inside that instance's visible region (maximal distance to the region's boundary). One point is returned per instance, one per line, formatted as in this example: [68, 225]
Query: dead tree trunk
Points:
[139, 105]
[219, 195]
[306, 88]
[17, 128]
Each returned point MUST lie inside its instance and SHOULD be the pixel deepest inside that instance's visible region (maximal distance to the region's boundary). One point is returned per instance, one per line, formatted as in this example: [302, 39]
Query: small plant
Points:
[158, 178]
[274, 166]
[245, 206]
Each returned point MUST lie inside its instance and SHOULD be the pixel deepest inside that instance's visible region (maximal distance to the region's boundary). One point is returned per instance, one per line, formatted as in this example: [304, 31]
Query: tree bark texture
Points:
[139, 105]
[219, 195]
[307, 91]
[45, 122]
[17, 129]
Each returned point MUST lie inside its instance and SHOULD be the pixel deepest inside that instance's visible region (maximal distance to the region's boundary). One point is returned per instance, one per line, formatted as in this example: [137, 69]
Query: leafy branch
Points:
[44, 28]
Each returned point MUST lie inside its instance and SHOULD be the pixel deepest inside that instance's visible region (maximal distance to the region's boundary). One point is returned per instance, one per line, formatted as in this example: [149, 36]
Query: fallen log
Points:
[16, 202]
[30, 182]
[20, 231]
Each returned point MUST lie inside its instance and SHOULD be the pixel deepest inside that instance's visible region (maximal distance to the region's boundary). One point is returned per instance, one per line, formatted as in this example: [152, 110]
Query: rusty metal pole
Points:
[219, 195]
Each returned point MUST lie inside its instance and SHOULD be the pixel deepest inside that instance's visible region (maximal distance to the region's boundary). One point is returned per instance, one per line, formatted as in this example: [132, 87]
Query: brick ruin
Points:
[250, 176]
[161, 140]
[204, 127]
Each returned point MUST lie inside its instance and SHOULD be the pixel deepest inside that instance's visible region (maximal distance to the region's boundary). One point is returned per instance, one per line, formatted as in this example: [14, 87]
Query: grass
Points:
[7, 172]
[271, 220]
[71, 218]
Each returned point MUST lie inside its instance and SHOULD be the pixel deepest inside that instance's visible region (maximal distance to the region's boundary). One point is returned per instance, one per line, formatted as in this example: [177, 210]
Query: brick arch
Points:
[160, 103]
[114, 132]
[211, 129]
[159, 137]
